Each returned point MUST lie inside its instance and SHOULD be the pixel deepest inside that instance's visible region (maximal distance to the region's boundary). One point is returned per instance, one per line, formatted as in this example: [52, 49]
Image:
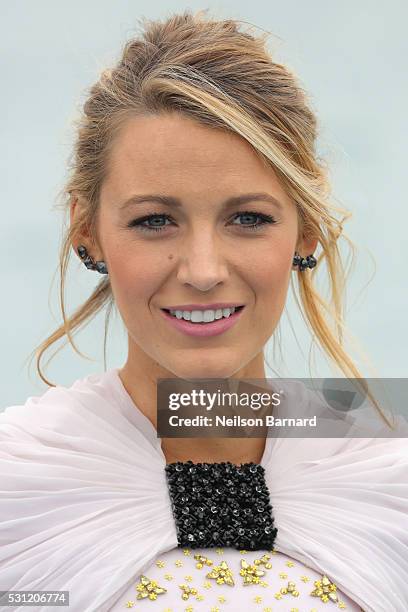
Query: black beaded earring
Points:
[90, 263]
[303, 263]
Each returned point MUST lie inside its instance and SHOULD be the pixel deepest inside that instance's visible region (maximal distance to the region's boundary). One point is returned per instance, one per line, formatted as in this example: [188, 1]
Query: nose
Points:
[202, 264]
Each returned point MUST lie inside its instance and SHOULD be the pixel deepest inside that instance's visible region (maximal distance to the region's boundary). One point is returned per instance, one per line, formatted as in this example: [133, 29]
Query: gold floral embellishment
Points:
[221, 574]
[187, 591]
[149, 588]
[201, 561]
[290, 589]
[264, 560]
[251, 573]
[325, 589]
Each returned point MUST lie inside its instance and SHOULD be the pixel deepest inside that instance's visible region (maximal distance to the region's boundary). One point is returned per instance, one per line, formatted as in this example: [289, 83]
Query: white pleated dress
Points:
[85, 508]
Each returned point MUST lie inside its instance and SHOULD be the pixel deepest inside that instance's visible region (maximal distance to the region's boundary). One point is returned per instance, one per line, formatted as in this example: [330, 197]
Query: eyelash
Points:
[266, 219]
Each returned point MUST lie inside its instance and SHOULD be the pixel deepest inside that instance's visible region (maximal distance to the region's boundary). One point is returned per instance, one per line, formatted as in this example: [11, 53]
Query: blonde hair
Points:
[213, 72]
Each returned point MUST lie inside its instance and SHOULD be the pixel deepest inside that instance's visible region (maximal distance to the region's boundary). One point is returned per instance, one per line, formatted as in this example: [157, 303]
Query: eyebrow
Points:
[176, 202]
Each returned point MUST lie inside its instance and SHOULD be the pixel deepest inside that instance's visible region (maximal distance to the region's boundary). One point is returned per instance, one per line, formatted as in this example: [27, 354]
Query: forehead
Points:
[171, 151]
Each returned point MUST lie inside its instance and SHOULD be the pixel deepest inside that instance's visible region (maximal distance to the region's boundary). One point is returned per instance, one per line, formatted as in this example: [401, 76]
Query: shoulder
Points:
[77, 476]
[92, 418]
[52, 408]
[83, 417]
[349, 495]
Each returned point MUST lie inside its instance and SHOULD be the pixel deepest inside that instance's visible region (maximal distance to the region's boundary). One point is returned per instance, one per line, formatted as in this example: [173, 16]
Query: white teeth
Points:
[197, 316]
[202, 316]
[208, 316]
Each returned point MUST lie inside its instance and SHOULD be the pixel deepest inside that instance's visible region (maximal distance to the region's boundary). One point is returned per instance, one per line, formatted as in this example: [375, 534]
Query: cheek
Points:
[269, 275]
[270, 258]
[136, 274]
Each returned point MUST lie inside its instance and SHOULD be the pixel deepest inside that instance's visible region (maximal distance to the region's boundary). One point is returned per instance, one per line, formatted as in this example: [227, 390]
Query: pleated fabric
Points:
[85, 505]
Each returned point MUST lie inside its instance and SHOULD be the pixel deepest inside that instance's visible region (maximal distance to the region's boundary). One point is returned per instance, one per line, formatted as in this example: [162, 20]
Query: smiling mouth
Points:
[237, 309]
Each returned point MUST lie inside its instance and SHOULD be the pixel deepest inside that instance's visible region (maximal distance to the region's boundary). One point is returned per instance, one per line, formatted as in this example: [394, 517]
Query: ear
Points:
[83, 236]
[72, 208]
[307, 246]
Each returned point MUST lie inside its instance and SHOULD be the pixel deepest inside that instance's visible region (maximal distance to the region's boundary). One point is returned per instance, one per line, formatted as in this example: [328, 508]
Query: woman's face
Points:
[205, 251]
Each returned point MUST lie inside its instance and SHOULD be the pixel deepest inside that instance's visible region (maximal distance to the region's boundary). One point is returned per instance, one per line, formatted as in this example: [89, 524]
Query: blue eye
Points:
[265, 219]
[139, 223]
[146, 228]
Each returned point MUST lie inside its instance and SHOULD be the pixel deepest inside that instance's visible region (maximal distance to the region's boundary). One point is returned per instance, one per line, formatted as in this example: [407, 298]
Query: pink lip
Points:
[214, 328]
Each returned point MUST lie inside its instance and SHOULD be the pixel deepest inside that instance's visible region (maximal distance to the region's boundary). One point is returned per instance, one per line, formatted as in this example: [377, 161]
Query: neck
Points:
[204, 450]
[140, 381]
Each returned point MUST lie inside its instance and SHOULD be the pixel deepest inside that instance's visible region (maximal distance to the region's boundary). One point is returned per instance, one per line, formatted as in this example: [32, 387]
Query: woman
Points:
[195, 187]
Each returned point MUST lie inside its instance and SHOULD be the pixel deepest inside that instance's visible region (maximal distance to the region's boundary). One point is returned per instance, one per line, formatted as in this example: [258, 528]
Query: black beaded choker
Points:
[221, 504]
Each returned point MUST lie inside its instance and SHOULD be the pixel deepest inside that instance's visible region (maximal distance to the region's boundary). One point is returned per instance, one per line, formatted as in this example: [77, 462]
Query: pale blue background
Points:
[350, 57]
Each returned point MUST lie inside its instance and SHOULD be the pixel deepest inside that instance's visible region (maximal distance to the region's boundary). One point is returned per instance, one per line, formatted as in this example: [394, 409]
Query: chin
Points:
[213, 370]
